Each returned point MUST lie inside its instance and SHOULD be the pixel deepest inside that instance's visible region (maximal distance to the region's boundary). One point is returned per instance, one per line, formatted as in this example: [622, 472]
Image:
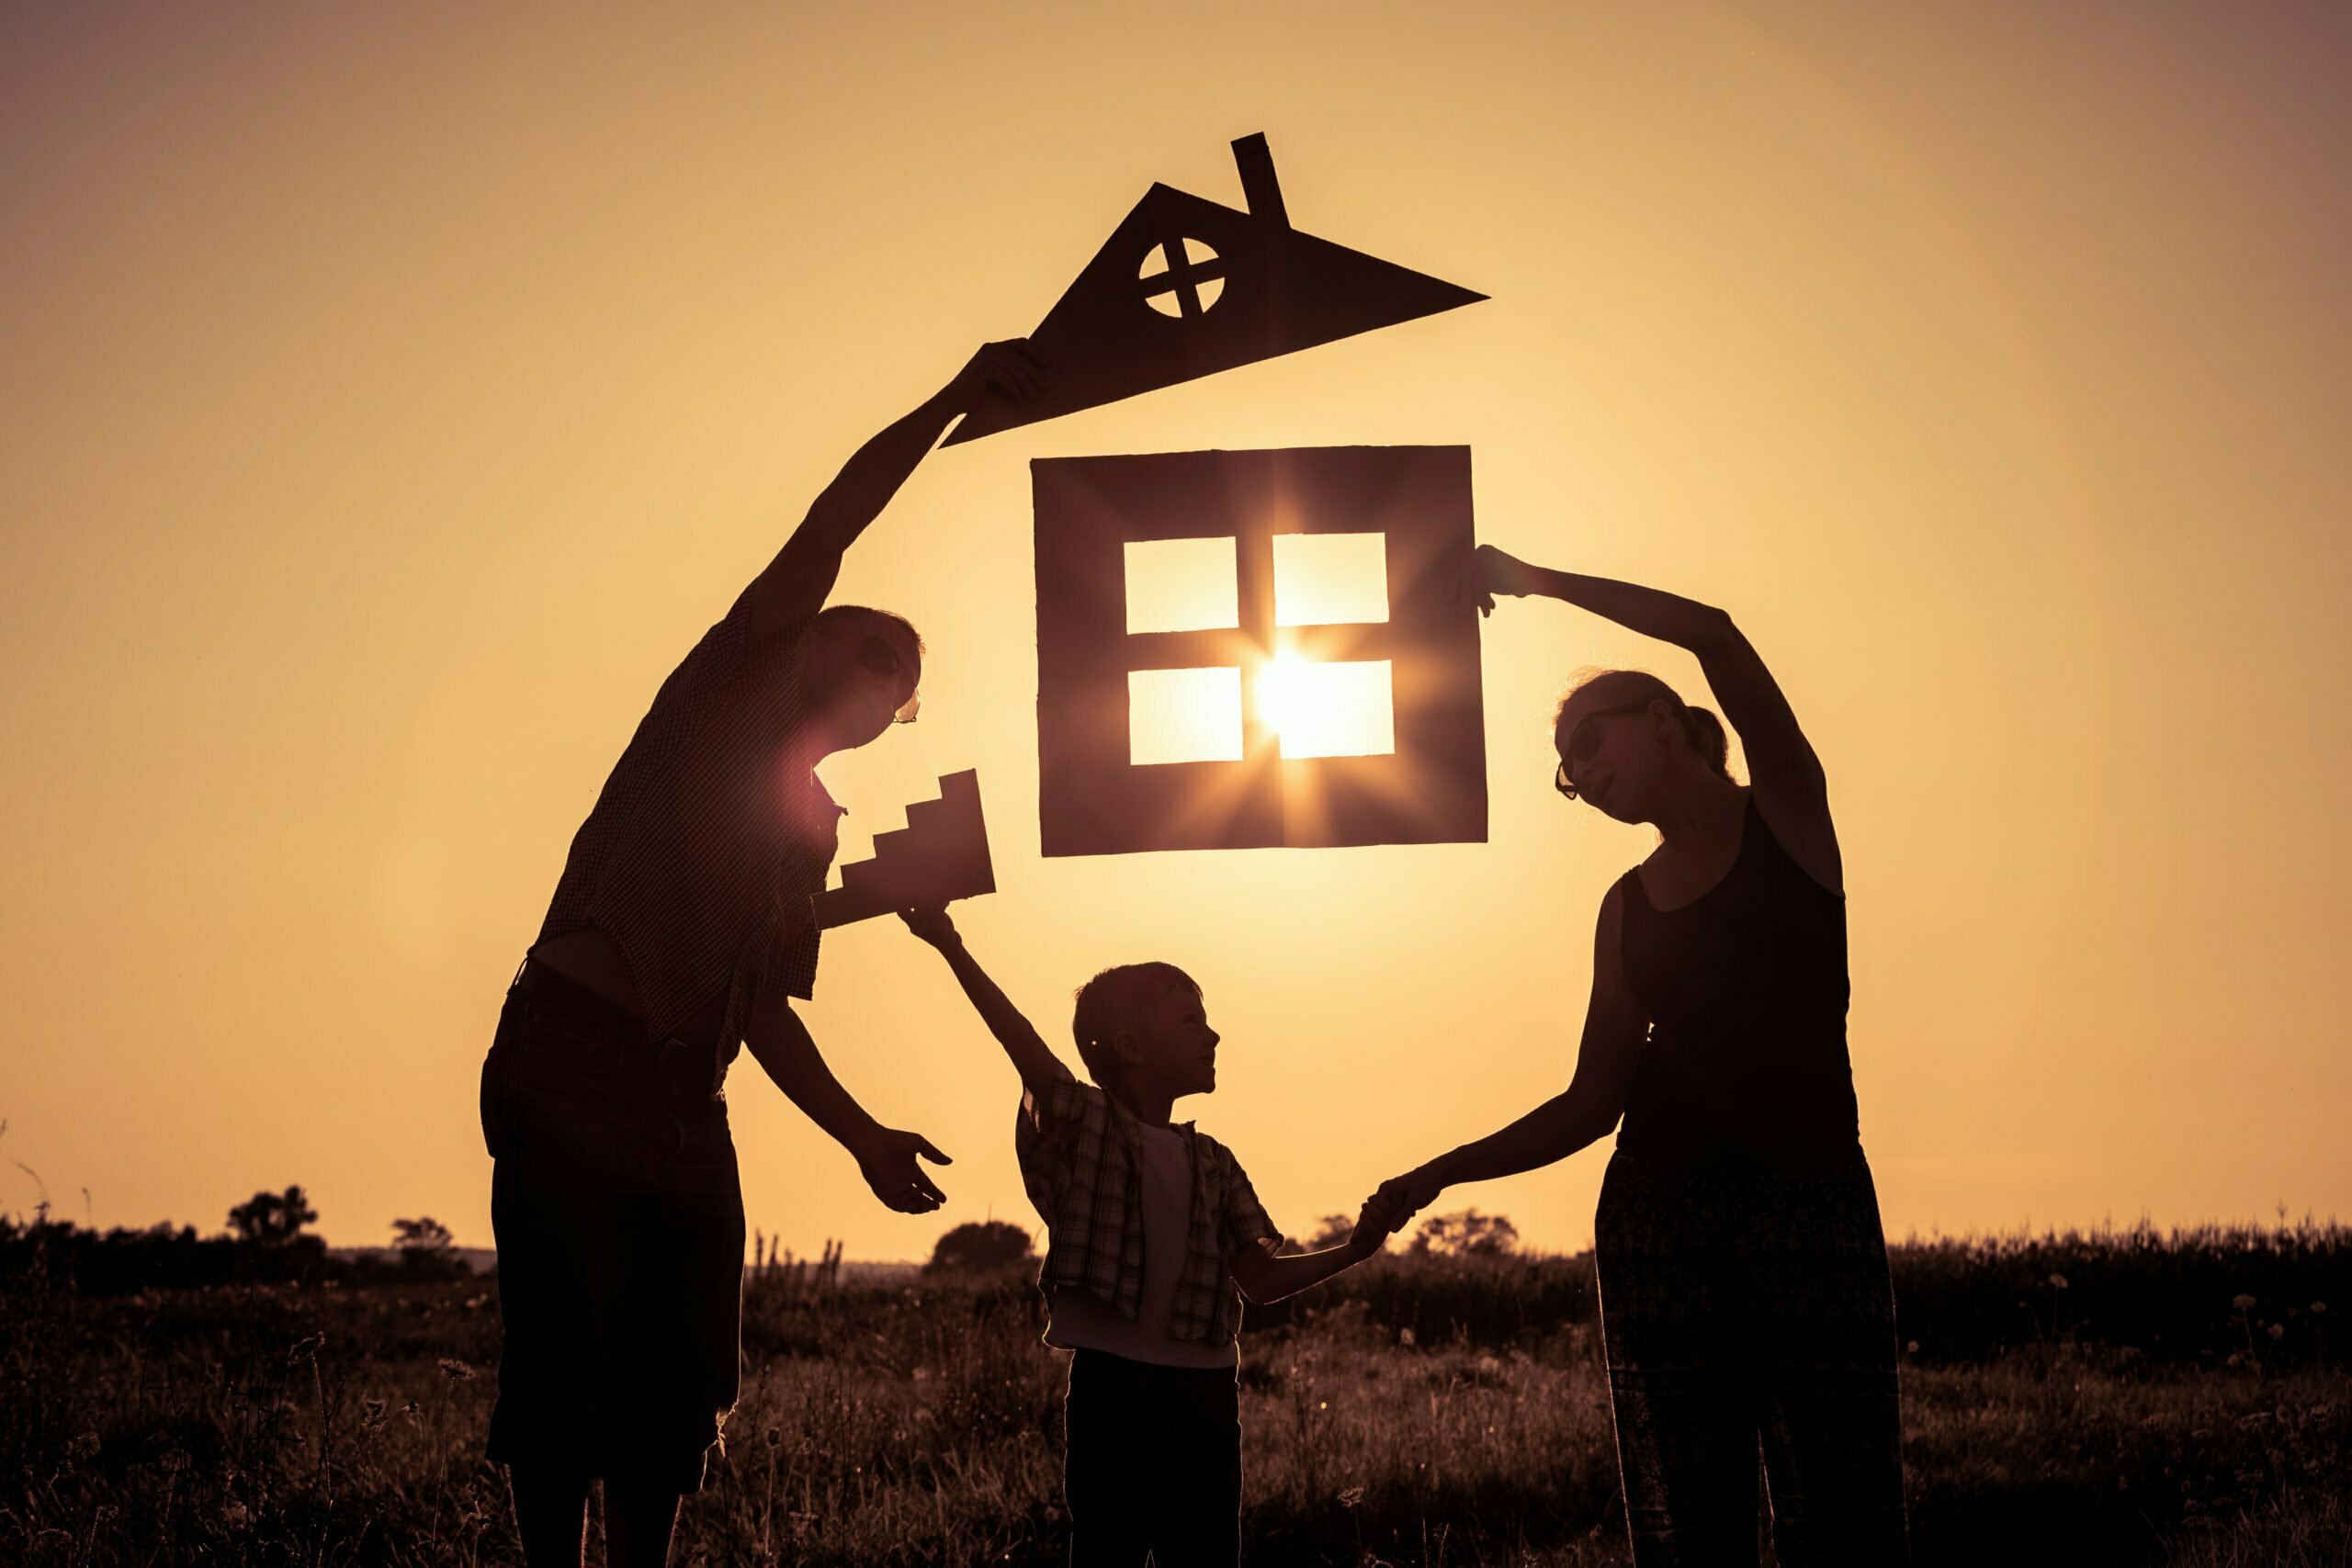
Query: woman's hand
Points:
[1365, 1241]
[1489, 571]
[1398, 1200]
[933, 925]
[1009, 367]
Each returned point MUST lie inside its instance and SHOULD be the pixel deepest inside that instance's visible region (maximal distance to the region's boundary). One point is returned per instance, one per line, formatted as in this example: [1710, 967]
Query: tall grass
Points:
[1421, 1412]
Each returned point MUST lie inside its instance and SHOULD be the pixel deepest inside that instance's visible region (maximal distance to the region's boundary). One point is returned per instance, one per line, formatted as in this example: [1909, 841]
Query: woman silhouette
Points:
[1745, 1298]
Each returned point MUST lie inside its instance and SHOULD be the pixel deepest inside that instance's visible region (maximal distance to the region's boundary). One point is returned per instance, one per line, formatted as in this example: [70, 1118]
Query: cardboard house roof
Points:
[1186, 288]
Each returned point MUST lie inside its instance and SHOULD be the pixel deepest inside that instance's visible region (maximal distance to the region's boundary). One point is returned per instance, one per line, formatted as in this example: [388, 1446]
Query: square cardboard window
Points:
[1384, 746]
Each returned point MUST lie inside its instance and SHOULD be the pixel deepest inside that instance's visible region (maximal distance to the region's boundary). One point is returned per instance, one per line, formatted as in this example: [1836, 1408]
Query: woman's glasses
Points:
[1584, 743]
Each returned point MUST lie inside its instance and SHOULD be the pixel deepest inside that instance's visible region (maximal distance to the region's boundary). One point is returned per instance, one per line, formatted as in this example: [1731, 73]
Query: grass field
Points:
[2118, 1398]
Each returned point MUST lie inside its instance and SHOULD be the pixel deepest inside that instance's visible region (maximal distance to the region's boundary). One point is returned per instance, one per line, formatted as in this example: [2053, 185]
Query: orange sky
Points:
[393, 394]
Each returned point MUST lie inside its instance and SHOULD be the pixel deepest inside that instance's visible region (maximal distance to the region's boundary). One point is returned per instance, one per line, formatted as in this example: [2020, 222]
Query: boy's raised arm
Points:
[1038, 1066]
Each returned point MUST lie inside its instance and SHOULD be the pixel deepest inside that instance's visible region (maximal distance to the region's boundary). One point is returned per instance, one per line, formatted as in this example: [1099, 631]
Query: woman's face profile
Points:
[1609, 760]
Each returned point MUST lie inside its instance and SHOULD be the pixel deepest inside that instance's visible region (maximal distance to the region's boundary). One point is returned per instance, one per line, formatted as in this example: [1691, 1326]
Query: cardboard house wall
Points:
[1094, 799]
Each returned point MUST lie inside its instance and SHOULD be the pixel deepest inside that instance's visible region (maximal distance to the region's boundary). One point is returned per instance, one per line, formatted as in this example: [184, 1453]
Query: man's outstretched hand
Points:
[1009, 367]
[887, 1159]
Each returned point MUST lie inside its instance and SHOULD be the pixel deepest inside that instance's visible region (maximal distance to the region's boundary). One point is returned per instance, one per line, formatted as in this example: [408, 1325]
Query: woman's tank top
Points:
[1747, 992]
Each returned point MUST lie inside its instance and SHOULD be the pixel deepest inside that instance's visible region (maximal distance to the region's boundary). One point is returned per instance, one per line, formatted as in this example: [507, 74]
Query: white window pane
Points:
[1183, 585]
[1329, 710]
[1185, 716]
[1323, 579]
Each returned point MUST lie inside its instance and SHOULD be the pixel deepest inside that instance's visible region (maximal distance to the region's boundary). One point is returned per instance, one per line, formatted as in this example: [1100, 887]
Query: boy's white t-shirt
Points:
[1078, 1319]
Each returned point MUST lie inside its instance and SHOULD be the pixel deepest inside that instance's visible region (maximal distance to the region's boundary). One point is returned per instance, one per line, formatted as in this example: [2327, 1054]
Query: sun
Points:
[1318, 709]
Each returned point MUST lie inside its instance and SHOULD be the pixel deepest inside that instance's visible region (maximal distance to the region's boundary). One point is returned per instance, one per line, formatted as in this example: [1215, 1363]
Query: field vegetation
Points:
[2123, 1396]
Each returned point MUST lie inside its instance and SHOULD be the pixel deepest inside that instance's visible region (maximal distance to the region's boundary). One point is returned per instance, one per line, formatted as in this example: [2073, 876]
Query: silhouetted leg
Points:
[1198, 1503]
[1833, 1456]
[638, 1520]
[1832, 1421]
[1686, 1446]
[550, 1515]
[1673, 1320]
[1110, 1470]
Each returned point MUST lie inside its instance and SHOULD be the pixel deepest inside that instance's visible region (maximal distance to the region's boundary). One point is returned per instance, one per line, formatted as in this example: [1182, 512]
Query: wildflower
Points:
[1913, 1346]
[1405, 1336]
[2057, 1281]
[2242, 1302]
[2277, 1329]
[1351, 1496]
[456, 1370]
[2320, 1307]
[235, 1514]
[83, 1447]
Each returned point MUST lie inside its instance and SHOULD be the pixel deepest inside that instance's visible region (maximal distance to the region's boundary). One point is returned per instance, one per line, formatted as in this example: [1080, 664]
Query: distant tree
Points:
[425, 1234]
[1467, 1233]
[272, 1219]
[977, 1247]
[426, 1250]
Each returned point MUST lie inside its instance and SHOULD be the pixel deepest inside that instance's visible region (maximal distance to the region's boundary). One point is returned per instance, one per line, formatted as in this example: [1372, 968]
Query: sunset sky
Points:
[392, 395]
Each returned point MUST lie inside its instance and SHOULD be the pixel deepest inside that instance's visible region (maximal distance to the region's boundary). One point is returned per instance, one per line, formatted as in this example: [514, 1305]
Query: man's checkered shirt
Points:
[701, 855]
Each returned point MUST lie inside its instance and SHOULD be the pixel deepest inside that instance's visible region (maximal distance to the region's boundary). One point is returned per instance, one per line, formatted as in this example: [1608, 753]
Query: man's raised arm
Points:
[794, 585]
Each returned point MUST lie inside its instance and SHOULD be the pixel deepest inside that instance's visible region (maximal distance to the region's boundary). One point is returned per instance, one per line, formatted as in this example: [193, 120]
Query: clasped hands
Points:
[1397, 1201]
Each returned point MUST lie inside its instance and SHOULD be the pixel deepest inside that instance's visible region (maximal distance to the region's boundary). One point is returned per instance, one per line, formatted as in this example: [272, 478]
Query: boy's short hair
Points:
[1117, 1000]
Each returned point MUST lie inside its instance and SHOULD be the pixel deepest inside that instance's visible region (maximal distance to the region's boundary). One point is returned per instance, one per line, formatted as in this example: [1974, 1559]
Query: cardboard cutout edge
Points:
[940, 856]
[1278, 291]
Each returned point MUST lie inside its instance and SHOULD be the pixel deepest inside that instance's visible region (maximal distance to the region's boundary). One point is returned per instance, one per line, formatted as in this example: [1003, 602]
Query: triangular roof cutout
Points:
[1186, 287]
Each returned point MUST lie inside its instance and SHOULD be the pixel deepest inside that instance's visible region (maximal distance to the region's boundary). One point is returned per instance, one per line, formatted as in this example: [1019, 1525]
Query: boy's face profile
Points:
[1172, 1050]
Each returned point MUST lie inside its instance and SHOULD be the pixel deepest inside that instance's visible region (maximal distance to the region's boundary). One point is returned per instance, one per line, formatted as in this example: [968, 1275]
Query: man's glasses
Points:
[1584, 743]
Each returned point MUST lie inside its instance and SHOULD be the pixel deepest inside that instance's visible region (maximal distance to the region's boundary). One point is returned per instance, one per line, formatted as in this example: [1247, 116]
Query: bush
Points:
[980, 1247]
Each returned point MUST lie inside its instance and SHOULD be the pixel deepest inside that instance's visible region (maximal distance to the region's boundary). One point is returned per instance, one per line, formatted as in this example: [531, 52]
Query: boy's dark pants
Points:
[1154, 1463]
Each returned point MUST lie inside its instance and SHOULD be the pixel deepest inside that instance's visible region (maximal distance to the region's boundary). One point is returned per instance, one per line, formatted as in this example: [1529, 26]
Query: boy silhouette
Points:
[1154, 1237]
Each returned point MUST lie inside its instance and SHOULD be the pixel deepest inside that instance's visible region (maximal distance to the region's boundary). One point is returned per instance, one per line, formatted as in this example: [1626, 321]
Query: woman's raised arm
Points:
[1790, 788]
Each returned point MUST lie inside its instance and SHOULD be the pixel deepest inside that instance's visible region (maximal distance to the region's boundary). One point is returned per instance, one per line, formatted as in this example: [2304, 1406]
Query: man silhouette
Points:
[680, 929]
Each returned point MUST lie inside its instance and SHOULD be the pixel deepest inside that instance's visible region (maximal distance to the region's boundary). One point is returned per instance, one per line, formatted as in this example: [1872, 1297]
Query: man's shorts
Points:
[619, 1222]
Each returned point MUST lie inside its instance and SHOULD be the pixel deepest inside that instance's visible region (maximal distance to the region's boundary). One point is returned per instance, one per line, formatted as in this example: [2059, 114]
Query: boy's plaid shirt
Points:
[1079, 1150]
